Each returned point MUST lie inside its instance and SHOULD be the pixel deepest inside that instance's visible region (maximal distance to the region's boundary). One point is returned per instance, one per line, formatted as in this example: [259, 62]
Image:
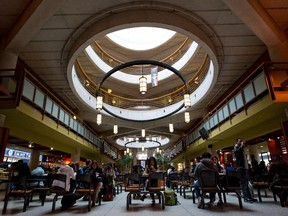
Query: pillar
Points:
[253, 150]
[34, 159]
[7, 61]
[4, 133]
[75, 158]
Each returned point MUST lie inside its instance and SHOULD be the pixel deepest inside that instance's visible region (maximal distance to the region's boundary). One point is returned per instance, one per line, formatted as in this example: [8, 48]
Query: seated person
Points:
[278, 170]
[69, 172]
[38, 171]
[205, 164]
[152, 167]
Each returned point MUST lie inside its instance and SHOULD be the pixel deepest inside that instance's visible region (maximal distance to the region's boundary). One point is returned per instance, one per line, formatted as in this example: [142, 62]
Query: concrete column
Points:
[134, 154]
[253, 150]
[75, 158]
[2, 120]
[34, 159]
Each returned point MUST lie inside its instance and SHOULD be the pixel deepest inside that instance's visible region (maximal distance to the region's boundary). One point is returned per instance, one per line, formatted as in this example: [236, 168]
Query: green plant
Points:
[163, 161]
[126, 162]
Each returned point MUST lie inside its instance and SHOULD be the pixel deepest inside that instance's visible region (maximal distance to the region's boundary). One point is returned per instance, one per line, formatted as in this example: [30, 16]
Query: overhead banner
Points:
[154, 76]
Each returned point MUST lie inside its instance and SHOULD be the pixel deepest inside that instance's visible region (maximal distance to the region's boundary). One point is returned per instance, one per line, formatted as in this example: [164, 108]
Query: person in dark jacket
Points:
[242, 166]
[205, 164]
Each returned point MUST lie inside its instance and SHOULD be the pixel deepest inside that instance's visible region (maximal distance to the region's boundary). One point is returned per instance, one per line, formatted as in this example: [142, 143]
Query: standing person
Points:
[205, 164]
[221, 171]
[242, 166]
[152, 167]
[255, 167]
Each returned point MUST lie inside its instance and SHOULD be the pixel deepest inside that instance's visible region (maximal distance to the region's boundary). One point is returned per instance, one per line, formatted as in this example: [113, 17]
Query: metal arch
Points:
[134, 141]
[141, 62]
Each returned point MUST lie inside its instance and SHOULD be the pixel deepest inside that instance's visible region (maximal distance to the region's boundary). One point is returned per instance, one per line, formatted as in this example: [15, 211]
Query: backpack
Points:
[170, 197]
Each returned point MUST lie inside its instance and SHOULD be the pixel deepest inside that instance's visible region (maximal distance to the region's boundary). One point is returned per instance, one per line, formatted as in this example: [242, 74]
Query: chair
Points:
[174, 180]
[158, 177]
[36, 187]
[20, 190]
[118, 183]
[261, 183]
[280, 188]
[133, 185]
[208, 182]
[57, 191]
[85, 187]
[232, 183]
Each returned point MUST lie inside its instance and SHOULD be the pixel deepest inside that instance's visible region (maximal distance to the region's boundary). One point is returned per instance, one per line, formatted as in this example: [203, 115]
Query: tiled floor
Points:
[117, 207]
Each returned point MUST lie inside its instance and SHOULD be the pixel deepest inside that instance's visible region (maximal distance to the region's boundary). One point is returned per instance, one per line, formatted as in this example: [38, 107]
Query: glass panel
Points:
[28, 90]
[71, 123]
[66, 118]
[260, 84]
[48, 107]
[248, 93]
[225, 111]
[220, 115]
[75, 125]
[239, 101]
[215, 119]
[232, 106]
[55, 110]
[61, 115]
[39, 98]
[211, 121]
[206, 125]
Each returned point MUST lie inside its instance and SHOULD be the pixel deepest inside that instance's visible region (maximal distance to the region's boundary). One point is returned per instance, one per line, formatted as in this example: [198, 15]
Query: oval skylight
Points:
[141, 38]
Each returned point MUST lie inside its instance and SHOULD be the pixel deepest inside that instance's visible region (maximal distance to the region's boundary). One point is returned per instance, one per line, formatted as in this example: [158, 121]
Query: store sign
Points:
[17, 154]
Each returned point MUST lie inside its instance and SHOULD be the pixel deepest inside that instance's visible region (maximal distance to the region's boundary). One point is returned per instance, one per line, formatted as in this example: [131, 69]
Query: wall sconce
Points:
[99, 102]
[115, 129]
[187, 102]
[127, 150]
[143, 132]
[171, 128]
[142, 147]
[187, 117]
[143, 84]
[99, 119]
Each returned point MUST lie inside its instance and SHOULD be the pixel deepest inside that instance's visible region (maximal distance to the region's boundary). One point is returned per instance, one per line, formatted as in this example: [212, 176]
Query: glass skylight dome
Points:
[141, 38]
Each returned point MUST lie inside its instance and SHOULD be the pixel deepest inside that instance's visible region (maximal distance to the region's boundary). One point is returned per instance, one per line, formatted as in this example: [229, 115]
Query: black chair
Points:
[57, 191]
[261, 183]
[132, 185]
[17, 187]
[119, 182]
[174, 180]
[85, 187]
[37, 188]
[208, 183]
[159, 187]
[232, 183]
[280, 188]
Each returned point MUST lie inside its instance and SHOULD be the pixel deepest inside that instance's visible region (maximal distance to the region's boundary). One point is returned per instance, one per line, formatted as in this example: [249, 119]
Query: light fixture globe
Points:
[143, 85]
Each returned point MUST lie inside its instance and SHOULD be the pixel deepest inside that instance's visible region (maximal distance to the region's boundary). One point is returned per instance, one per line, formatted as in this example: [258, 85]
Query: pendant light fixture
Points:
[115, 129]
[99, 102]
[99, 119]
[187, 117]
[171, 128]
[143, 83]
[187, 102]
